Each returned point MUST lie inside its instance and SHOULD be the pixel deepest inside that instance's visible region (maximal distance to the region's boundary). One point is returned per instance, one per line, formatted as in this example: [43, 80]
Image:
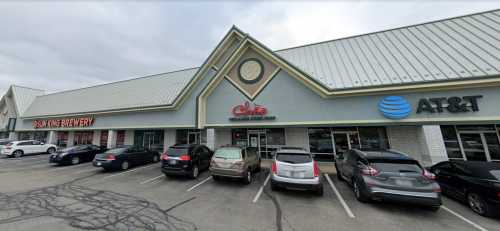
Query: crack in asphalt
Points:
[279, 226]
[90, 209]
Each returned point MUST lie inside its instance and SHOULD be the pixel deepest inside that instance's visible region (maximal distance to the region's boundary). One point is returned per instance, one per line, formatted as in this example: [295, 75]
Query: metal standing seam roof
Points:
[23, 97]
[160, 89]
[458, 48]
[451, 49]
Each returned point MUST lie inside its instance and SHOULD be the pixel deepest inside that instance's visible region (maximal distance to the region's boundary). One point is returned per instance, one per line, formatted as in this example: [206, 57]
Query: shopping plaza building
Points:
[430, 90]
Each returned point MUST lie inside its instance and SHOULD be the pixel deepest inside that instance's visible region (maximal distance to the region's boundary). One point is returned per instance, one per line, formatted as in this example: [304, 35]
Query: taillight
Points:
[429, 175]
[164, 156]
[274, 169]
[369, 171]
[185, 157]
[110, 157]
[316, 169]
[437, 190]
[239, 164]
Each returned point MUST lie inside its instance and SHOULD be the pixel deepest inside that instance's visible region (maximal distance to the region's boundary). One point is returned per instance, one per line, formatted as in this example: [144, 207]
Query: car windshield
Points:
[177, 151]
[397, 167]
[228, 153]
[294, 158]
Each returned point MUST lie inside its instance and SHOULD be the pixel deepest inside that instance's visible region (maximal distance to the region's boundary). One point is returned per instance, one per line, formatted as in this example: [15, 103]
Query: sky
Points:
[62, 45]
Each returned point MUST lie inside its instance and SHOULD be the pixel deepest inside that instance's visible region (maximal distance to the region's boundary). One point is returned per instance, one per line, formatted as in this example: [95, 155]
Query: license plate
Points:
[404, 183]
[172, 162]
[298, 174]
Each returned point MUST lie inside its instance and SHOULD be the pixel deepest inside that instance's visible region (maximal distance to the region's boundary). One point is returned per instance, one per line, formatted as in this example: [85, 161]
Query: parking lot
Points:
[38, 196]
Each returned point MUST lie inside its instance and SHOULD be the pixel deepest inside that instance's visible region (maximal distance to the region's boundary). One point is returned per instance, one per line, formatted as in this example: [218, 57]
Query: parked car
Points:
[187, 159]
[24, 147]
[235, 162]
[76, 154]
[476, 183]
[4, 142]
[125, 157]
[388, 175]
[295, 169]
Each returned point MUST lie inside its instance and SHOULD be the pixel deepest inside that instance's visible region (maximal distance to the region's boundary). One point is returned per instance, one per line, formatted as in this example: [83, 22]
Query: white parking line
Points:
[346, 207]
[261, 189]
[152, 179]
[129, 171]
[464, 219]
[202, 182]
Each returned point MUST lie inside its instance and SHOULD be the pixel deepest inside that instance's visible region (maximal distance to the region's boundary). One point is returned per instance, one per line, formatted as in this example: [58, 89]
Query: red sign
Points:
[247, 110]
[64, 123]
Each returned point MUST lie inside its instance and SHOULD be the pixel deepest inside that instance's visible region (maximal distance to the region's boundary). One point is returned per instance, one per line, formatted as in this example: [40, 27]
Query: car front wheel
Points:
[478, 205]
[75, 160]
[247, 177]
[195, 172]
[358, 192]
[51, 150]
[156, 158]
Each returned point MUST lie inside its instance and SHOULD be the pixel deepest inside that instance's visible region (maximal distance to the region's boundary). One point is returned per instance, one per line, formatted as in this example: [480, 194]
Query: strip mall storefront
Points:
[420, 97]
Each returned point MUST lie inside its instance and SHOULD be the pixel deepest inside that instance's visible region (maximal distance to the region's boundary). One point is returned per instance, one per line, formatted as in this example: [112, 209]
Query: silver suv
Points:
[295, 169]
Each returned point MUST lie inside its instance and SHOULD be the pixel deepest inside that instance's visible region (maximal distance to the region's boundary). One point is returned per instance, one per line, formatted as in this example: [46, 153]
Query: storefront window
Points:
[320, 140]
[40, 136]
[104, 139]
[373, 138]
[150, 139]
[275, 136]
[239, 136]
[451, 142]
[62, 139]
[24, 136]
[83, 138]
[191, 136]
[120, 138]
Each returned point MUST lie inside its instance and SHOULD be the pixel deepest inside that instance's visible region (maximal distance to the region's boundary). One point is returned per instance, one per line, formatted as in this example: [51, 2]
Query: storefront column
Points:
[71, 138]
[12, 136]
[432, 144]
[111, 139]
[169, 137]
[52, 138]
[129, 137]
[211, 138]
[96, 138]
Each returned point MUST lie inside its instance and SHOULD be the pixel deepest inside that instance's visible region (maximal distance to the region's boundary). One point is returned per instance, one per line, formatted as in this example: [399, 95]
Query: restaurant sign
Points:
[64, 123]
[247, 112]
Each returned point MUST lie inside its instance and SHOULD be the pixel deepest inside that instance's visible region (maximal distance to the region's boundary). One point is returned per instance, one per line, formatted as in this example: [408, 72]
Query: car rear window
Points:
[116, 150]
[177, 151]
[495, 173]
[293, 158]
[397, 167]
[226, 153]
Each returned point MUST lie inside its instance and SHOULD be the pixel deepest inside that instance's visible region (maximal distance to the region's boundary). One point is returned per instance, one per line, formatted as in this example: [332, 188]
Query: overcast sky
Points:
[59, 45]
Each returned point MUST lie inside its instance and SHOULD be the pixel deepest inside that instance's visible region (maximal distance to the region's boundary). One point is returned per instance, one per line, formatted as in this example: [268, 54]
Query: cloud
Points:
[66, 45]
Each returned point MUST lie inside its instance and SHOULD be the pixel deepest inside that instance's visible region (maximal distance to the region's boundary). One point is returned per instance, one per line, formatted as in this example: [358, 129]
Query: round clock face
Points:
[250, 71]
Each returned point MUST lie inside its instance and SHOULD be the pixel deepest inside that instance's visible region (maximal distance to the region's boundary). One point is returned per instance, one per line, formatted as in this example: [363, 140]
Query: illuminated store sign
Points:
[64, 123]
[397, 107]
[245, 112]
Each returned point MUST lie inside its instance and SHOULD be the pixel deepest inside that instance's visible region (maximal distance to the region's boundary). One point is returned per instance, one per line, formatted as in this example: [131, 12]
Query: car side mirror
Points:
[42, 143]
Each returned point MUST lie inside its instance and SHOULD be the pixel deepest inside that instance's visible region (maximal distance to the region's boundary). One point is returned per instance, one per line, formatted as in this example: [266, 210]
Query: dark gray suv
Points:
[388, 175]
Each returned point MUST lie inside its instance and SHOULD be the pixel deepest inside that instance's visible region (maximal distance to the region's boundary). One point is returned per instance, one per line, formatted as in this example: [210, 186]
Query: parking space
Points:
[82, 191]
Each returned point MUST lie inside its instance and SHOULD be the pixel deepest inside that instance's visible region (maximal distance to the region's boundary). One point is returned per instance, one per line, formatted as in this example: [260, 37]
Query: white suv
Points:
[20, 148]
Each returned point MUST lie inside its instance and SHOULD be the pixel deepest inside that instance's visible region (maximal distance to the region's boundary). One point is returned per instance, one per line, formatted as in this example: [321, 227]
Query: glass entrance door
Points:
[148, 140]
[480, 146]
[194, 137]
[258, 139]
[345, 141]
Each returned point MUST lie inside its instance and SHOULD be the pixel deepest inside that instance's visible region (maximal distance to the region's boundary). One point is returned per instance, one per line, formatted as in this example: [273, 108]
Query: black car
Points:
[76, 154]
[186, 160]
[388, 175]
[124, 157]
[476, 183]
